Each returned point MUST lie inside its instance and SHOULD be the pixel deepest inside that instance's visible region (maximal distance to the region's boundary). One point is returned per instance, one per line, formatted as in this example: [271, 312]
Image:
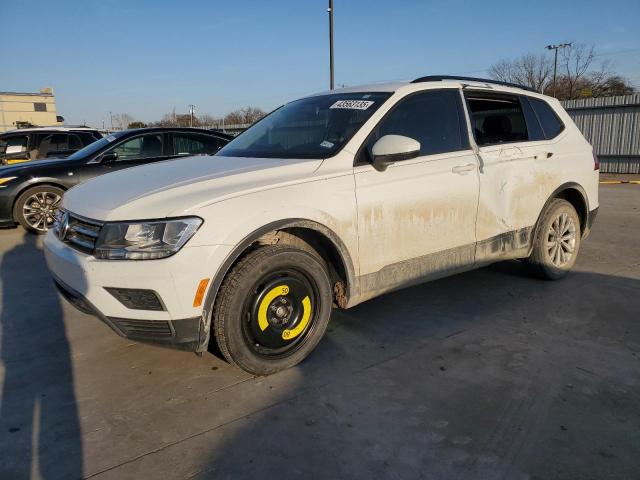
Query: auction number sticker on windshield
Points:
[111, 138]
[353, 104]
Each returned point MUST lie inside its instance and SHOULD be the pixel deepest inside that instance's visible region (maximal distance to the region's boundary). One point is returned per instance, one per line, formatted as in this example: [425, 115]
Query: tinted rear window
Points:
[549, 121]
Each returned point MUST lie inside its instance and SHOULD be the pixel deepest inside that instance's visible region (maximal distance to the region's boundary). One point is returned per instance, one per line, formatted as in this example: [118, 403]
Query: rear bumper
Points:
[183, 334]
[591, 218]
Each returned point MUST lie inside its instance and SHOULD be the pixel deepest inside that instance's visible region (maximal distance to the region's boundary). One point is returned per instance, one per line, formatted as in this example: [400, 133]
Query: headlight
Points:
[144, 240]
[6, 179]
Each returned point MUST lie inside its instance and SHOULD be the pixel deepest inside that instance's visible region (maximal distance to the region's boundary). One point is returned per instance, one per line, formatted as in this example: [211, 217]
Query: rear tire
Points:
[272, 309]
[36, 207]
[557, 241]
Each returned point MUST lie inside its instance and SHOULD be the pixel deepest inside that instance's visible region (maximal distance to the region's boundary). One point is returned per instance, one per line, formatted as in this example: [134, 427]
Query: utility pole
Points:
[330, 10]
[192, 109]
[111, 118]
[555, 61]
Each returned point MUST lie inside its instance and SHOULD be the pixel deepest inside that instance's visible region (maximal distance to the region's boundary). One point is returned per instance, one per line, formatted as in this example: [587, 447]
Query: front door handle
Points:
[463, 169]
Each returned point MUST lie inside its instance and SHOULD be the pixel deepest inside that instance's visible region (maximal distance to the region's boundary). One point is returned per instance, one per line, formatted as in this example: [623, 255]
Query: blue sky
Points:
[146, 57]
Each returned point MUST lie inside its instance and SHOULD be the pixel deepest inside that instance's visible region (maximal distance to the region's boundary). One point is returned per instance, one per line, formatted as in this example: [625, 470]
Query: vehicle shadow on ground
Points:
[488, 374]
[39, 426]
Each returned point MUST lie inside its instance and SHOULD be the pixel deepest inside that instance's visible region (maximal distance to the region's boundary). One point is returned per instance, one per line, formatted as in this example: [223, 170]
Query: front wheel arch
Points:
[245, 246]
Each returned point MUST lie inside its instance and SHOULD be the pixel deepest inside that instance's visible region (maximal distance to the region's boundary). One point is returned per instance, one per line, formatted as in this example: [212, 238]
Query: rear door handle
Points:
[463, 169]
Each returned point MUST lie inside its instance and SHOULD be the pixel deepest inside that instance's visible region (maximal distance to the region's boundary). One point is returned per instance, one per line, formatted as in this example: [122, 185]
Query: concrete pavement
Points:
[485, 375]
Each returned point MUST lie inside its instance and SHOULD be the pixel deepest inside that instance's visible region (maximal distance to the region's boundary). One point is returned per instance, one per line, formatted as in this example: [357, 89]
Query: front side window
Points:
[314, 127]
[193, 144]
[549, 121]
[433, 118]
[145, 146]
[497, 119]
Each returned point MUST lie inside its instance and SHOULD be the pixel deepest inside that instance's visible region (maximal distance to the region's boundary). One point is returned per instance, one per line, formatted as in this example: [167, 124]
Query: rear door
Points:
[418, 207]
[516, 175]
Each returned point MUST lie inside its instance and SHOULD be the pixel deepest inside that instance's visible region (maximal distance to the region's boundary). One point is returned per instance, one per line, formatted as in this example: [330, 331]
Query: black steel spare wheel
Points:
[272, 308]
[280, 313]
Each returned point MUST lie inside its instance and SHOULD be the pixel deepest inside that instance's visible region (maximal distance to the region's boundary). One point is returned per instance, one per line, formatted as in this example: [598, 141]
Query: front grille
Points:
[80, 233]
[143, 329]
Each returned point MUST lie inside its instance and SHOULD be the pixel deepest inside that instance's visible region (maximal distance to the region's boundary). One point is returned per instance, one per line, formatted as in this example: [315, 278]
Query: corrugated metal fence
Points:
[612, 126]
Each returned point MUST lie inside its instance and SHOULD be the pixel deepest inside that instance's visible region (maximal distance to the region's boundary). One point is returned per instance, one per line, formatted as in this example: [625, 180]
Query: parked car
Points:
[30, 193]
[26, 144]
[330, 200]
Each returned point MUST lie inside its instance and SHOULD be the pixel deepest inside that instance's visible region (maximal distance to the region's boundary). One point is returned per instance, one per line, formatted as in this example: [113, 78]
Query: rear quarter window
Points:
[549, 121]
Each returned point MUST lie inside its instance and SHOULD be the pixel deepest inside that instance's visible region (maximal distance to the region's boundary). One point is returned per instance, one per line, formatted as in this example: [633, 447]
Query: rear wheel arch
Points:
[576, 196]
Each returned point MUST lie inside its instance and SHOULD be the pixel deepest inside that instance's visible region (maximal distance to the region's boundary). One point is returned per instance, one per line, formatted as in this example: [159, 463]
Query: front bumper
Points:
[7, 198]
[183, 334]
[82, 279]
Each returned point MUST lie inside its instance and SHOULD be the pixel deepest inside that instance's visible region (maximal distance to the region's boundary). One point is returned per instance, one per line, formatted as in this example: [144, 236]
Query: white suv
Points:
[328, 201]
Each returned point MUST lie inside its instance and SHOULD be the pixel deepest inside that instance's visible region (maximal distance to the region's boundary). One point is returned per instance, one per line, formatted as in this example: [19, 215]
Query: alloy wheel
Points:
[561, 240]
[39, 210]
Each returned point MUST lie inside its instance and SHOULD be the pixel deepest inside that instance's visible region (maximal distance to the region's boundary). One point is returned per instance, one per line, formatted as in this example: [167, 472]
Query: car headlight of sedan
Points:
[4, 180]
[144, 240]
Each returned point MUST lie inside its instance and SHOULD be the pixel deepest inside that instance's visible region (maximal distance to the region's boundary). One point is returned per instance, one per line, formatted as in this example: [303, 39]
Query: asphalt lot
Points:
[485, 375]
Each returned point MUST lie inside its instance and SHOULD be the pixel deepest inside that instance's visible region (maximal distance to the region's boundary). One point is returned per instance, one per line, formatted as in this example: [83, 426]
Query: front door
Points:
[416, 220]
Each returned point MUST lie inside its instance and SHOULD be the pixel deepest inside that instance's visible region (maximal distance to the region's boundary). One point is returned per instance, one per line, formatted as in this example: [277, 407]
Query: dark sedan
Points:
[30, 192]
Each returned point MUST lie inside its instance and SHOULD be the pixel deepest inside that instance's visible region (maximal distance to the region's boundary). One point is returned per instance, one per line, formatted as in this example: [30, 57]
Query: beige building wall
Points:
[38, 109]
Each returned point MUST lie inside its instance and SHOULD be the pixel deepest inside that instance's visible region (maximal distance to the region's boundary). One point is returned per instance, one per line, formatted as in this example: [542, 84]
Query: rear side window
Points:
[189, 144]
[551, 124]
[74, 142]
[498, 119]
[433, 118]
[87, 138]
[14, 145]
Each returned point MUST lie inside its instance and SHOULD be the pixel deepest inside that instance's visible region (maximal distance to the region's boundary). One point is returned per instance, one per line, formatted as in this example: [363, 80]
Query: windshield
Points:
[95, 146]
[315, 127]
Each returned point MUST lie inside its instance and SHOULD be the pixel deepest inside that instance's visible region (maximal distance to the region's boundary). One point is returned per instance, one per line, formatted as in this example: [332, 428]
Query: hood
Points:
[26, 168]
[179, 187]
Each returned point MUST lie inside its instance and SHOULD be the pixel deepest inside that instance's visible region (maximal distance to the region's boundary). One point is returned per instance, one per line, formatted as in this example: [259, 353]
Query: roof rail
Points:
[437, 78]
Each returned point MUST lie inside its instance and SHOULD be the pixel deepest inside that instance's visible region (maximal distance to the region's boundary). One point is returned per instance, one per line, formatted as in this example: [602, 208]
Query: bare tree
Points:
[576, 61]
[244, 115]
[207, 120]
[531, 70]
[577, 75]
[122, 120]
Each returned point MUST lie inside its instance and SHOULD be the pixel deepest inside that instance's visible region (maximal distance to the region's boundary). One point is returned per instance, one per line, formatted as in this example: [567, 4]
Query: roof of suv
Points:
[52, 129]
[447, 80]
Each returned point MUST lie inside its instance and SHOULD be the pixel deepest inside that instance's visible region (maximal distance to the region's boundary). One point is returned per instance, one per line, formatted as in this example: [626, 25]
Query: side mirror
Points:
[109, 157]
[393, 148]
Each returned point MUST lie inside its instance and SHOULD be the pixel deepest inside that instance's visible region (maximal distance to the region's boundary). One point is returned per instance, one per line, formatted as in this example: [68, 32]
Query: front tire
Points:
[557, 241]
[272, 309]
[36, 208]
